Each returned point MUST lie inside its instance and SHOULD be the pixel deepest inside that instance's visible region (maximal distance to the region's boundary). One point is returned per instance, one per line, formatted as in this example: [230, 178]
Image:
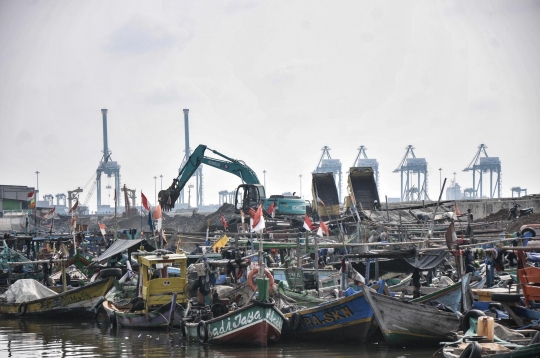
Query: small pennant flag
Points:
[223, 221]
[50, 214]
[272, 208]
[31, 194]
[32, 203]
[458, 213]
[102, 228]
[144, 201]
[157, 213]
[450, 236]
[257, 219]
[75, 206]
[308, 224]
[323, 229]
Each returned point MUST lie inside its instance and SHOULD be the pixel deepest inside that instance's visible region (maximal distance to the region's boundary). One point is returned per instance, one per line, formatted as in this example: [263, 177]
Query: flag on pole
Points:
[74, 207]
[32, 203]
[50, 214]
[73, 221]
[158, 214]
[31, 194]
[458, 213]
[102, 228]
[256, 219]
[150, 222]
[144, 201]
[223, 221]
[308, 224]
[450, 236]
[323, 229]
[272, 208]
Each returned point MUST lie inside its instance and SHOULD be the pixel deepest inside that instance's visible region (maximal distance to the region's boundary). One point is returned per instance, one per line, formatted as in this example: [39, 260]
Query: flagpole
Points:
[115, 219]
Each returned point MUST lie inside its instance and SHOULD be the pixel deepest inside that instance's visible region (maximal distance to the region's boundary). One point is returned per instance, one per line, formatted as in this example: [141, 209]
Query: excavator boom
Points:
[168, 197]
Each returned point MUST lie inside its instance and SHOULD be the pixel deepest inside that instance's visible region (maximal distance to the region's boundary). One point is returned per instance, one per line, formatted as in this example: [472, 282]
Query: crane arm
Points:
[168, 197]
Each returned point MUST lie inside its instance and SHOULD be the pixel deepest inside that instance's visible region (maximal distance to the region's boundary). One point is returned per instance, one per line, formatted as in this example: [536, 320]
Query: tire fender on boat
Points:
[464, 320]
[295, 321]
[202, 332]
[473, 350]
[21, 310]
[264, 304]
[252, 273]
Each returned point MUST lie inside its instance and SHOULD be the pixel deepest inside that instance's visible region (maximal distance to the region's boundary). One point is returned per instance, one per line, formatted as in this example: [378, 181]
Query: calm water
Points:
[31, 337]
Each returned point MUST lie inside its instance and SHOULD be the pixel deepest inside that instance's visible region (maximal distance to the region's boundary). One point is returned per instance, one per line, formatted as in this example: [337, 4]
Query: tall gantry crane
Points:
[198, 173]
[327, 165]
[409, 166]
[484, 164]
[107, 166]
[362, 160]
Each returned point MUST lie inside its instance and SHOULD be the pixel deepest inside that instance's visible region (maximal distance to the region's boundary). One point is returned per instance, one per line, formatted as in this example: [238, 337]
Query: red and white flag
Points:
[323, 229]
[144, 201]
[102, 228]
[157, 214]
[31, 194]
[272, 208]
[50, 214]
[458, 213]
[75, 206]
[256, 219]
[308, 224]
[450, 236]
[223, 221]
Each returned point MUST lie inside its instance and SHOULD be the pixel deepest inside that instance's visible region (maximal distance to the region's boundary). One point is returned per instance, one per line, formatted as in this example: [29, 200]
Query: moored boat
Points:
[83, 300]
[411, 323]
[159, 299]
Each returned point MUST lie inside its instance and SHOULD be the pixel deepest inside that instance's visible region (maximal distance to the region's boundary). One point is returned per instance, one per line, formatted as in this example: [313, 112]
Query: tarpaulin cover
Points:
[428, 261]
[26, 290]
[117, 247]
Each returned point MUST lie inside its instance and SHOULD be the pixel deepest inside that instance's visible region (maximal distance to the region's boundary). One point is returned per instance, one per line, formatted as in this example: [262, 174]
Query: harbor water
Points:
[38, 337]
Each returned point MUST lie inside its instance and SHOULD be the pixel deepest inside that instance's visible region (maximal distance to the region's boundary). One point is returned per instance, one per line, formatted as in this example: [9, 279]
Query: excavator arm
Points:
[168, 197]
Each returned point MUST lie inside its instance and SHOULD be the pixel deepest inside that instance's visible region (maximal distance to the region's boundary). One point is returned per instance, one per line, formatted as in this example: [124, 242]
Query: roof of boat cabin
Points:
[148, 260]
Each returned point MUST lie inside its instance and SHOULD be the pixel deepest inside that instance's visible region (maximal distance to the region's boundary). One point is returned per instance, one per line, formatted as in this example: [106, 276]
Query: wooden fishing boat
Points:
[411, 323]
[82, 300]
[455, 296]
[158, 302]
[343, 318]
[258, 323]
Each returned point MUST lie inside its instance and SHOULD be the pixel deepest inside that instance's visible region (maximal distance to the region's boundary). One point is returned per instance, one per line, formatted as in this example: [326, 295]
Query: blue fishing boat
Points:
[343, 318]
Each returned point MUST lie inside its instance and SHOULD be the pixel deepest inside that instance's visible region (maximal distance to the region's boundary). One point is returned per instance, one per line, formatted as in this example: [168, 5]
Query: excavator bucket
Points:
[168, 197]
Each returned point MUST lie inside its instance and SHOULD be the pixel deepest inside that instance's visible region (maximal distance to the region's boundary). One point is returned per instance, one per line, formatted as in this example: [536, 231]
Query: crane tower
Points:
[484, 164]
[409, 166]
[107, 166]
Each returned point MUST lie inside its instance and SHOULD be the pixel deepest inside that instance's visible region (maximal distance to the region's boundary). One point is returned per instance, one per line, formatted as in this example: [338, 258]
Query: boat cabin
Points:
[156, 286]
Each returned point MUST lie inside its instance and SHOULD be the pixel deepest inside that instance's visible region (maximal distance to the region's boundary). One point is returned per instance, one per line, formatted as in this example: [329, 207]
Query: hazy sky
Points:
[268, 82]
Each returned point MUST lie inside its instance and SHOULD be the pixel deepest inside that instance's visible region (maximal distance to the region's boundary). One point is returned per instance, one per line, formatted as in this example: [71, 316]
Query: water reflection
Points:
[32, 337]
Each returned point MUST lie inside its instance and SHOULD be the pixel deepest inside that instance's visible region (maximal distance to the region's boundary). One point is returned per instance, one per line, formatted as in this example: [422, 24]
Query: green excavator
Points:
[248, 195]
